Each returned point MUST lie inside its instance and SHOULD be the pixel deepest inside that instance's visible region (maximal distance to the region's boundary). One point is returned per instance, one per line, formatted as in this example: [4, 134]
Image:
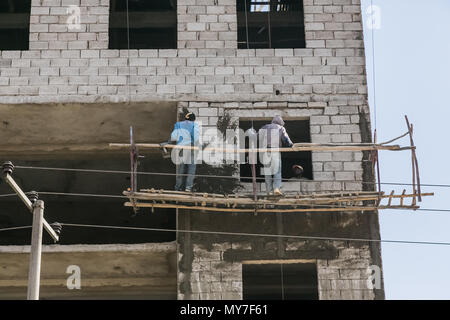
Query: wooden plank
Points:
[264, 195]
[331, 209]
[183, 193]
[248, 201]
[243, 201]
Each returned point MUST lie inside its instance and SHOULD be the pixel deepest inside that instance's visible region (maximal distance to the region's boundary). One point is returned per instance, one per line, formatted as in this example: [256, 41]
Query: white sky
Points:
[412, 67]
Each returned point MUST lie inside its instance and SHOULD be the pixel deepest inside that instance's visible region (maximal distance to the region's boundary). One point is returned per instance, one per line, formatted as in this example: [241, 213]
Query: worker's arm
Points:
[196, 134]
[175, 135]
[285, 137]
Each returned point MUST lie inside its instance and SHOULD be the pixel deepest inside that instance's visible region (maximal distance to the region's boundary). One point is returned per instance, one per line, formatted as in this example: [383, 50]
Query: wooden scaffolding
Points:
[291, 202]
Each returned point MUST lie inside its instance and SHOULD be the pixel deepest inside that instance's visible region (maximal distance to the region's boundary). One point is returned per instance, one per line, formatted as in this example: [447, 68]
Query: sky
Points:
[412, 77]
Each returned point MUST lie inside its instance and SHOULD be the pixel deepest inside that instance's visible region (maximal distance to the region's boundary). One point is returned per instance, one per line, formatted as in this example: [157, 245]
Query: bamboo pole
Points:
[252, 210]
[413, 152]
[412, 158]
[296, 148]
[250, 195]
[248, 201]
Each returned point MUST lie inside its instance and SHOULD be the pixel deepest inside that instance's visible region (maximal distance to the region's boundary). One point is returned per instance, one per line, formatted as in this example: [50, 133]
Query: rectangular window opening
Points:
[152, 24]
[91, 210]
[289, 281]
[270, 24]
[15, 24]
[80, 141]
[298, 131]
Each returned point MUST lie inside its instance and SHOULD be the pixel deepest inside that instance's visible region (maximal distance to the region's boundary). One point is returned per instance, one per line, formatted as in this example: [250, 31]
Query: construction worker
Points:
[185, 133]
[273, 135]
[297, 171]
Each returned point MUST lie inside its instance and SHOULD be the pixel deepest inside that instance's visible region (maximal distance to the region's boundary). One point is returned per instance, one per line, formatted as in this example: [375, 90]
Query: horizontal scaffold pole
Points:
[252, 210]
[345, 200]
[296, 148]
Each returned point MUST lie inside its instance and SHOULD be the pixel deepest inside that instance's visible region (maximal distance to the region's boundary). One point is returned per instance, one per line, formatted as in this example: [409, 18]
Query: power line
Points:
[256, 234]
[82, 194]
[217, 176]
[8, 195]
[242, 234]
[15, 228]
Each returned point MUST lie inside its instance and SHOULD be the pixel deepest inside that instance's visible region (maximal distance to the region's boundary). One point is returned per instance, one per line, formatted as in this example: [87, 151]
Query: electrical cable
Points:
[258, 234]
[8, 195]
[15, 228]
[125, 197]
[218, 176]
[322, 238]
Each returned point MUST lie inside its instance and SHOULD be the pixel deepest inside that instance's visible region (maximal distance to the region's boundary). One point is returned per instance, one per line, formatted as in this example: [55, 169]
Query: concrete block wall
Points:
[343, 278]
[66, 65]
[212, 278]
[53, 27]
[207, 24]
[325, 82]
[332, 171]
[347, 277]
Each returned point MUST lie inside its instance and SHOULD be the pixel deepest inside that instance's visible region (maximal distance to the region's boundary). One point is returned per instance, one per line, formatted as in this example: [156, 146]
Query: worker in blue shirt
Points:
[185, 133]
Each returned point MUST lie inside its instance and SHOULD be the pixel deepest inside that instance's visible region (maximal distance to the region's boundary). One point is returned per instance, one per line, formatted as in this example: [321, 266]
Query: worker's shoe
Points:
[270, 193]
[277, 192]
[187, 190]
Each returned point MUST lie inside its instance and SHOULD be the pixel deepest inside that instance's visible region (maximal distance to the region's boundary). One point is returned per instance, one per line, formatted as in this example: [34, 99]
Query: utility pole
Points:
[36, 207]
[34, 271]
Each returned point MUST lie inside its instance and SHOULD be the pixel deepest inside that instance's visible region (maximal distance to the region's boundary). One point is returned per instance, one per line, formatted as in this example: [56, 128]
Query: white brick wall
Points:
[206, 65]
[343, 278]
[324, 82]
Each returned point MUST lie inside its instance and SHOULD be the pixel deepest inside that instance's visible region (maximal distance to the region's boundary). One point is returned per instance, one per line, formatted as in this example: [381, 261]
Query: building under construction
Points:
[75, 75]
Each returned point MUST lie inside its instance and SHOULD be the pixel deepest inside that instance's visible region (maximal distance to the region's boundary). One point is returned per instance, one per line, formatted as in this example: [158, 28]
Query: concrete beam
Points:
[45, 128]
[108, 271]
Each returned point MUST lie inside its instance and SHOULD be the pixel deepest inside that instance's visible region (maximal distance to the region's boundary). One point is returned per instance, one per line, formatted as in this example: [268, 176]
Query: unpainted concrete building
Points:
[77, 73]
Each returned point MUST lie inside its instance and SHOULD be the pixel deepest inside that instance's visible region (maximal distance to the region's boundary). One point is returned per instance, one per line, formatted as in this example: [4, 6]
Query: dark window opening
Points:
[270, 24]
[15, 24]
[83, 209]
[298, 131]
[296, 281]
[153, 24]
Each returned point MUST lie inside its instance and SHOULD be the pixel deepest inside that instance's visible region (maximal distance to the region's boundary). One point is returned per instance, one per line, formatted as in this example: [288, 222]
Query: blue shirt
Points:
[186, 133]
